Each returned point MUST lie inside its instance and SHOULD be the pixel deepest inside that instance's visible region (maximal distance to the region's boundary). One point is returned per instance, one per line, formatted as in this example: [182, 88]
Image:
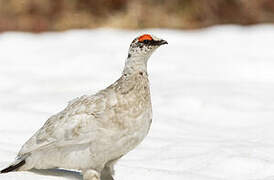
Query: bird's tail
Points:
[14, 166]
[18, 163]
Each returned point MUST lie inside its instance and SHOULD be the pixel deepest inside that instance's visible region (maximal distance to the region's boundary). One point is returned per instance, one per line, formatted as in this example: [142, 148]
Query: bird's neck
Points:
[135, 64]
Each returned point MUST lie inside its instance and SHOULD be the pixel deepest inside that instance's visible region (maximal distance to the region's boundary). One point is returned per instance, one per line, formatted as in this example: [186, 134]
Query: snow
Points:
[212, 93]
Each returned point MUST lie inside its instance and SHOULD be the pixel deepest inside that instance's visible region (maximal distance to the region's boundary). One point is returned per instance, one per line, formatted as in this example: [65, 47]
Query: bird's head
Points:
[139, 52]
[145, 45]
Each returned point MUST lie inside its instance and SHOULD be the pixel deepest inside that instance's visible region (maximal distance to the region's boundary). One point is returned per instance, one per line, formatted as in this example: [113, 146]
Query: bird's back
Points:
[93, 132]
[115, 119]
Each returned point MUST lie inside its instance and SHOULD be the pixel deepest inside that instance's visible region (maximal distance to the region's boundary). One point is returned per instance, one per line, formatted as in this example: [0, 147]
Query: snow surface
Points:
[212, 93]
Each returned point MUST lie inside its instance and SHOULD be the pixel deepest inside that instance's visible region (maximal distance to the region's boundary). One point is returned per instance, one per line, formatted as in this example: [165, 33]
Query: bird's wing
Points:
[78, 123]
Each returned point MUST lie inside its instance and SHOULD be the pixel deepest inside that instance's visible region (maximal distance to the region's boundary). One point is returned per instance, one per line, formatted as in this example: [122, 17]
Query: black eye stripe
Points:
[146, 41]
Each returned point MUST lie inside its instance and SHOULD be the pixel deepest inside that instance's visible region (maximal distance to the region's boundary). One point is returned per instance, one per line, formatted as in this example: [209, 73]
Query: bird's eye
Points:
[146, 41]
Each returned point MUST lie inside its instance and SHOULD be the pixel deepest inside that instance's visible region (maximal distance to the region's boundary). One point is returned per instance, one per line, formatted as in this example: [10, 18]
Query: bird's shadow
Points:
[59, 173]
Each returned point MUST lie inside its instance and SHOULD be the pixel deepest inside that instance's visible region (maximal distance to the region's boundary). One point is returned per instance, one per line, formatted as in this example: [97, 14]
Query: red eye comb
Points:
[145, 37]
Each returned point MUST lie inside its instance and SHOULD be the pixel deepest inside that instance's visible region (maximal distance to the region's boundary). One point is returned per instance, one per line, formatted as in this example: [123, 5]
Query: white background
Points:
[212, 93]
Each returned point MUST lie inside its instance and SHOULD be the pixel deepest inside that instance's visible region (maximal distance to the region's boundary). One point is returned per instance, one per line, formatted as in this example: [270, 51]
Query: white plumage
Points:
[93, 132]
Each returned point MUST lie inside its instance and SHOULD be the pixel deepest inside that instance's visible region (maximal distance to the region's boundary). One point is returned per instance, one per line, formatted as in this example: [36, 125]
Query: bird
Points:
[94, 131]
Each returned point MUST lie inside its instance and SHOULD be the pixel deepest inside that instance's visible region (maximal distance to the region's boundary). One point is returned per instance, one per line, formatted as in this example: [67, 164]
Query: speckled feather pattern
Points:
[94, 131]
[113, 122]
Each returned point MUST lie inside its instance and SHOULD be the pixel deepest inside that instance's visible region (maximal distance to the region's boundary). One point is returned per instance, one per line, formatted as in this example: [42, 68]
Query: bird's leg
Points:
[107, 173]
[91, 175]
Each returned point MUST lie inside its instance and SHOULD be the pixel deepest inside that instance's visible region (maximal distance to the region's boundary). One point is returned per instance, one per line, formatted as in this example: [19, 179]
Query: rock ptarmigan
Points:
[93, 132]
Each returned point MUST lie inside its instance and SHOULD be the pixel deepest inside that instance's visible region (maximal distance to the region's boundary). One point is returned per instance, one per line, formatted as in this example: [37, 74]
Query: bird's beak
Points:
[161, 42]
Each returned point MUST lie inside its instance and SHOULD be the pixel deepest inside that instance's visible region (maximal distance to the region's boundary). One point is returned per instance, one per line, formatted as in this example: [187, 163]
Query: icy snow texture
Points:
[212, 94]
